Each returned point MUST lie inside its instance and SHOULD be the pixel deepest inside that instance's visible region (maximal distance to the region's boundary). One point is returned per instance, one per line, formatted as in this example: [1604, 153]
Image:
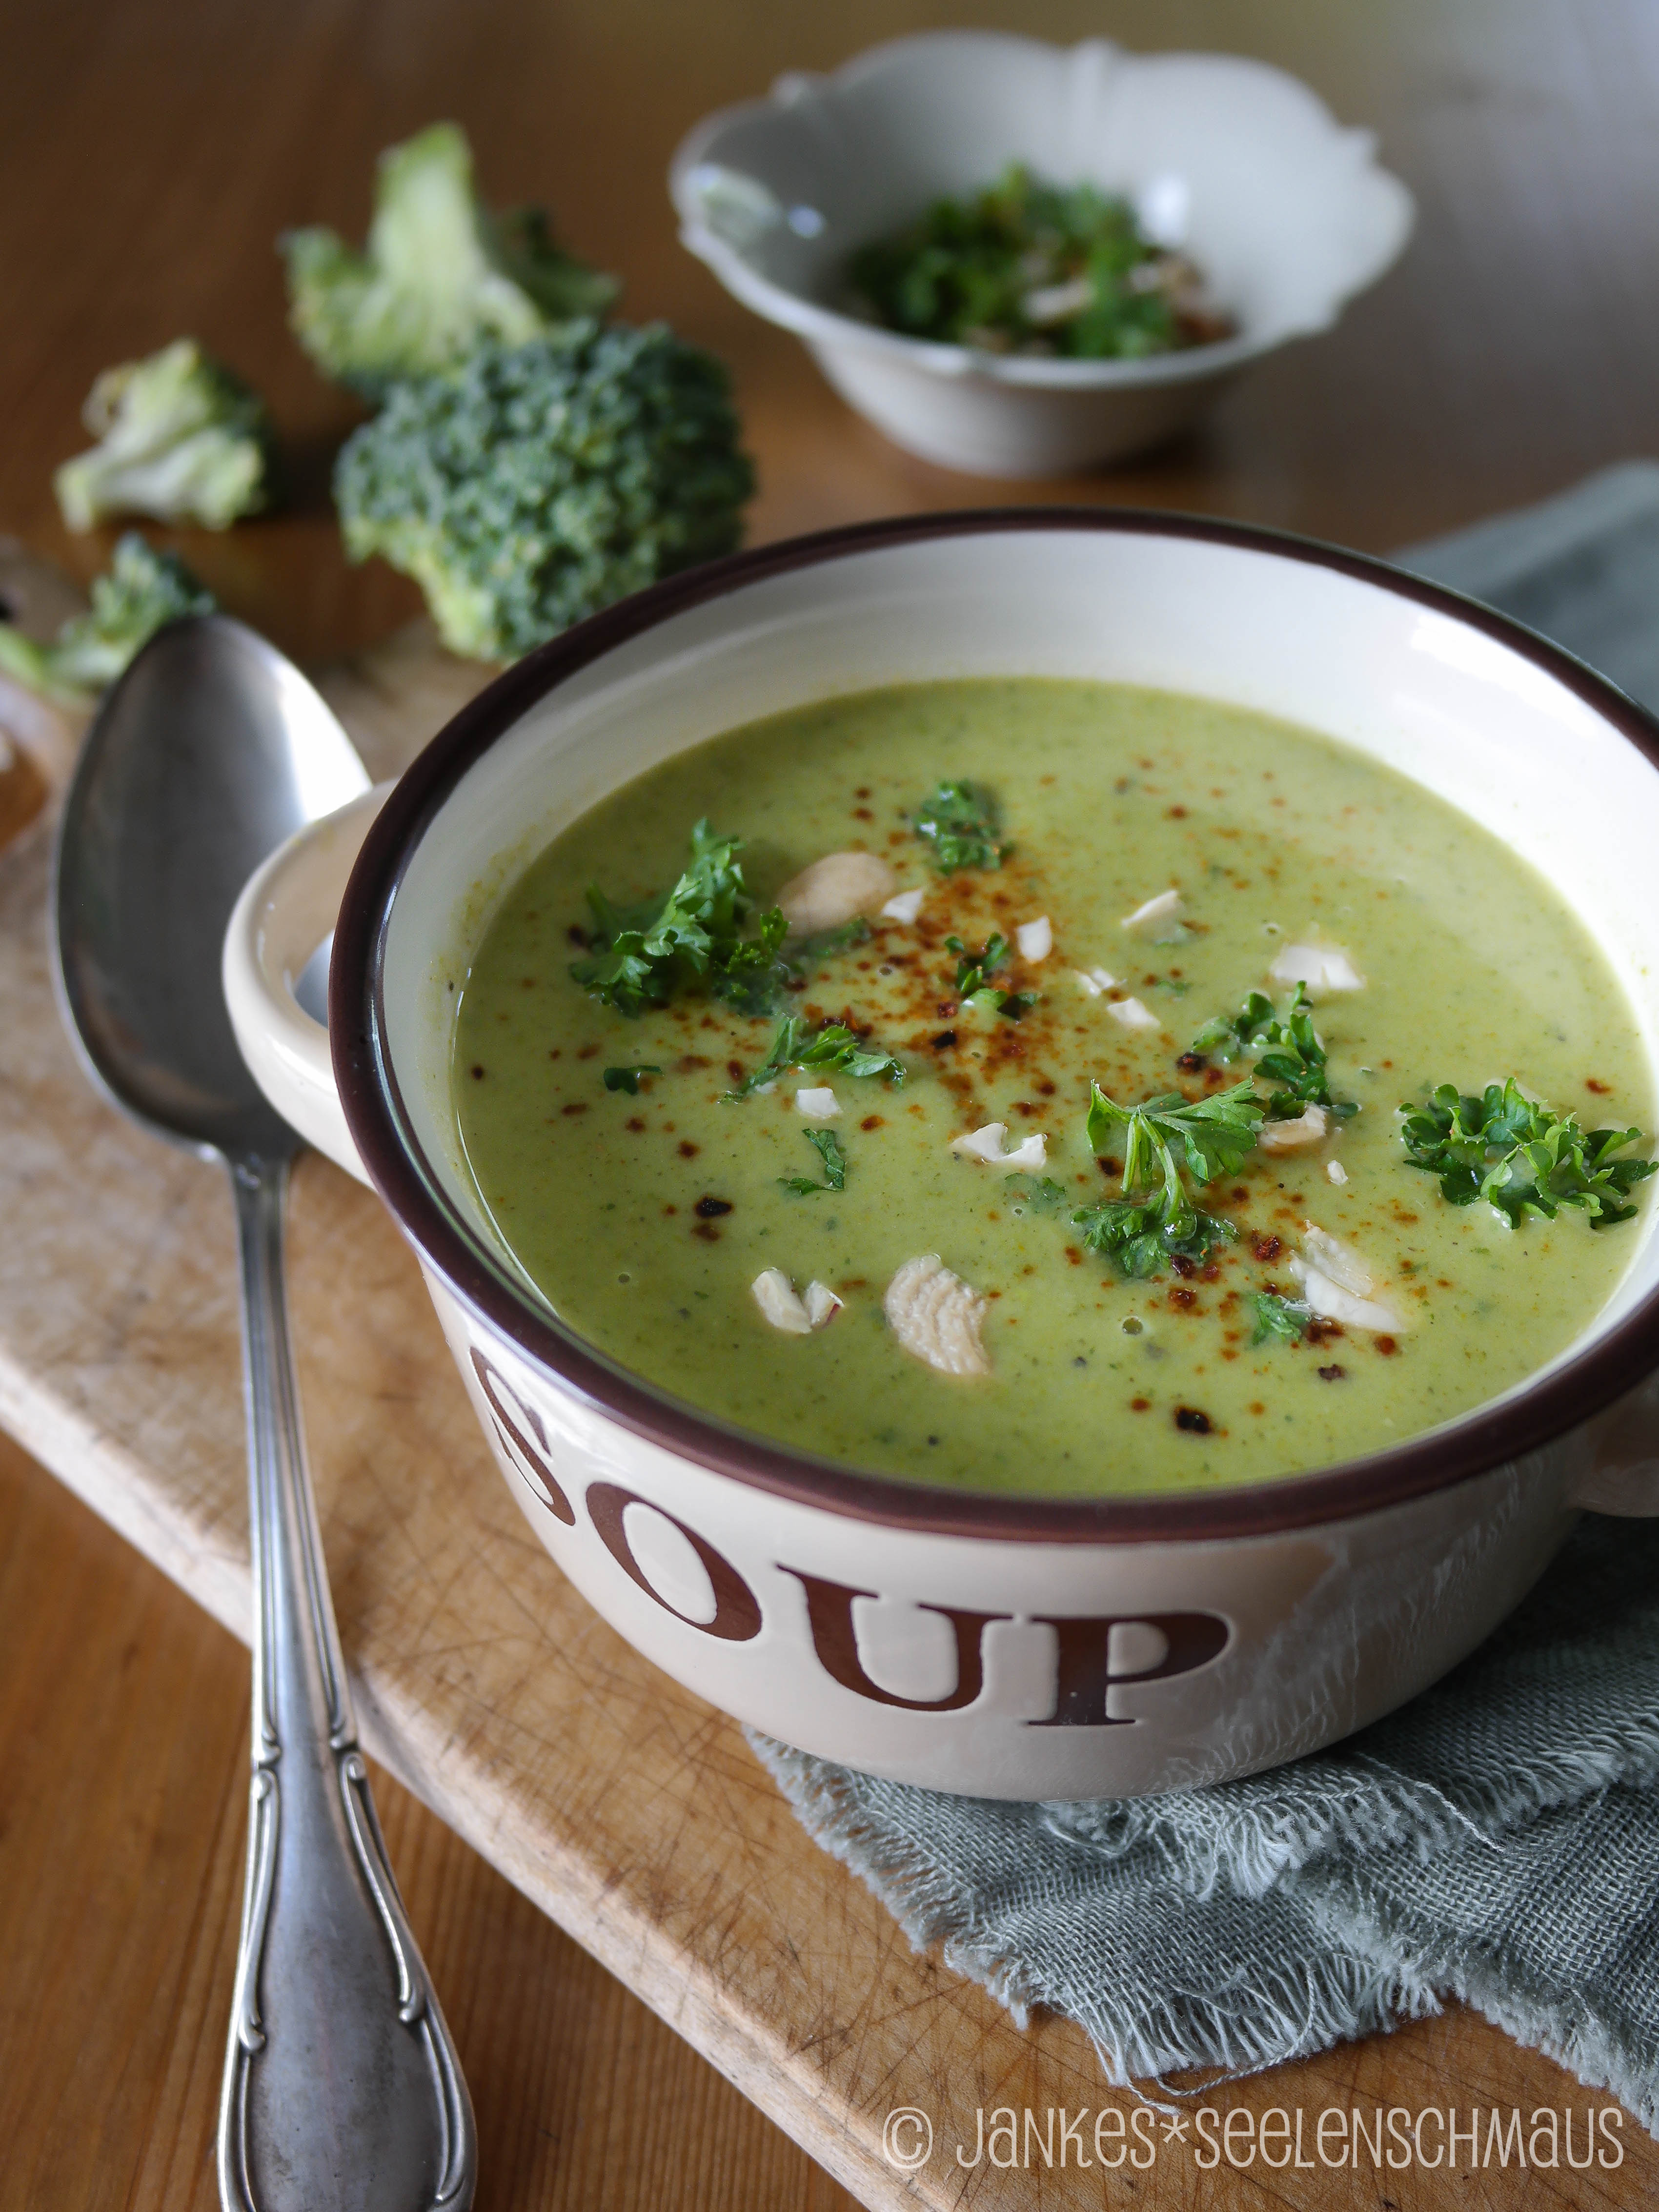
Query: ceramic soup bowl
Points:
[1005, 1646]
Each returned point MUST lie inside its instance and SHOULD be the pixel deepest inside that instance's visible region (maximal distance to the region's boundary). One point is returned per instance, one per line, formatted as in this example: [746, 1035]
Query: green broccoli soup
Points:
[1053, 1087]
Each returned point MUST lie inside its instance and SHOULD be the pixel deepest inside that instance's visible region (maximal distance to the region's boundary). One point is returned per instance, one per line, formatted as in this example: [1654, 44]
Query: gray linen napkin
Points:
[1497, 1840]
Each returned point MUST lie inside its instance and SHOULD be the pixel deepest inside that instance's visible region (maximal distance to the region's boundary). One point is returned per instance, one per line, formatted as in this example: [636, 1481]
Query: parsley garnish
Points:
[827, 1146]
[642, 956]
[1521, 1156]
[1156, 1219]
[1292, 1052]
[1278, 1316]
[823, 944]
[628, 1078]
[962, 822]
[834, 1049]
[1041, 1193]
[973, 972]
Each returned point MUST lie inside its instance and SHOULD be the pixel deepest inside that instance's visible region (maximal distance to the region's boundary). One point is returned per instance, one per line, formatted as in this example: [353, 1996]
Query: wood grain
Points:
[149, 154]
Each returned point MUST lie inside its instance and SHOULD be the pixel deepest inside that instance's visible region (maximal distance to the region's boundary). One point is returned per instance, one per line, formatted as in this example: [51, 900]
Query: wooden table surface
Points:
[150, 153]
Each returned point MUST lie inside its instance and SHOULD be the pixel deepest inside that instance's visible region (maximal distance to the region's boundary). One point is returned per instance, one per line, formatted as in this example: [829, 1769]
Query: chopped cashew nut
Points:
[834, 889]
[1058, 303]
[774, 1294]
[818, 1105]
[1308, 1129]
[1095, 981]
[1035, 939]
[1133, 1015]
[986, 1145]
[1332, 1302]
[937, 1317]
[1322, 967]
[777, 1297]
[905, 907]
[1340, 1262]
[1155, 909]
[1335, 1172]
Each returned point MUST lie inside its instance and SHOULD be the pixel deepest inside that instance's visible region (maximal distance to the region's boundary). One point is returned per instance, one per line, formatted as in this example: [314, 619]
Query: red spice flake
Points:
[1184, 1301]
[1190, 1063]
[1239, 1191]
[1266, 1248]
[687, 1150]
[1074, 1255]
[689, 1062]
[1140, 1404]
[708, 1233]
[1025, 1109]
[526, 982]
[478, 1073]
[710, 1209]
[557, 1052]
[872, 1122]
[1225, 1355]
[1175, 814]
[634, 1123]
[576, 1106]
[853, 1283]
[944, 1041]
[1255, 1406]
[1386, 1346]
[1324, 1332]
[1214, 1078]
[862, 814]
[576, 933]
[734, 1069]
[1182, 1266]
[1601, 1090]
[1333, 1374]
[586, 1052]
[671, 1211]
[1045, 1089]
[1193, 1422]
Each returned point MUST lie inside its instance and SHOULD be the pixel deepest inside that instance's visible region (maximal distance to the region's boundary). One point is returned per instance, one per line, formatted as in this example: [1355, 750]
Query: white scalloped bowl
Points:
[1286, 212]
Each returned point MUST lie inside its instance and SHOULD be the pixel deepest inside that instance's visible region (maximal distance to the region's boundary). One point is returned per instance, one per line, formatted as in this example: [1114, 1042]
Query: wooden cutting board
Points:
[633, 1814]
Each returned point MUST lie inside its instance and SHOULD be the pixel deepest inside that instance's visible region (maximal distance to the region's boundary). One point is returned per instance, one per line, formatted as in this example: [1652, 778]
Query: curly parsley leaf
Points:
[1039, 1193]
[1278, 1316]
[827, 1146]
[962, 822]
[1521, 1156]
[974, 973]
[812, 951]
[628, 1078]
[1292, 1052]
[642, 956]
[1164, 1141]
[834, 1049]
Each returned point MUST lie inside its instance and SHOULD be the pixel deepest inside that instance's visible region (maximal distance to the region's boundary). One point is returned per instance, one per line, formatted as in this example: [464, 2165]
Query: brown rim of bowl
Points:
[1479, 1442]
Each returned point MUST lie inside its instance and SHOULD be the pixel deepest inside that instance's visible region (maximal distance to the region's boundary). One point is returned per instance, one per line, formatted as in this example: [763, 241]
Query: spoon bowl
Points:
[164, 823]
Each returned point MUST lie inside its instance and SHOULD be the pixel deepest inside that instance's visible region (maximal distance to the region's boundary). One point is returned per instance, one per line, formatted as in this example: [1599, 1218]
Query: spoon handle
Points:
[341, 2086]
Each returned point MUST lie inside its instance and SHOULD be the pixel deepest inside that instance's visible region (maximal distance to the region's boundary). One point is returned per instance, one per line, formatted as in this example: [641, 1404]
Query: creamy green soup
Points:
[646, 1215]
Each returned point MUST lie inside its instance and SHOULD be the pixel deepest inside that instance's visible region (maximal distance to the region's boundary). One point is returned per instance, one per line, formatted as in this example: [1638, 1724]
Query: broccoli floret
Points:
[143, 590]
[536, 484]
[181, 437]
[439, 273]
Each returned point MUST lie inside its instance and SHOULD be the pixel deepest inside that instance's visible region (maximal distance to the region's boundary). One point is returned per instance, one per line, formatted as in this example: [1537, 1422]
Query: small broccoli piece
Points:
[438, 274]
[536, 483]
[143, 590]
[181, 437]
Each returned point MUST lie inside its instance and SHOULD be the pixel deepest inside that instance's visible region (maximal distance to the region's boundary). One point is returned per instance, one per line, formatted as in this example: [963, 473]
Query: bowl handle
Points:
[1622, 1472]
[287, 908]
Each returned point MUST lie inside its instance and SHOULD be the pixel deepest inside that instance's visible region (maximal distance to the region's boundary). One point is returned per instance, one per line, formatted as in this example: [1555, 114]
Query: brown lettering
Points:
[737, 1609]
[536, 1475]
[1082, 1672]
[830, 1614]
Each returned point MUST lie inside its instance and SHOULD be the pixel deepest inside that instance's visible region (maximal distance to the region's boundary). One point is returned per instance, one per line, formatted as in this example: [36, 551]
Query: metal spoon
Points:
[341, 2086]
